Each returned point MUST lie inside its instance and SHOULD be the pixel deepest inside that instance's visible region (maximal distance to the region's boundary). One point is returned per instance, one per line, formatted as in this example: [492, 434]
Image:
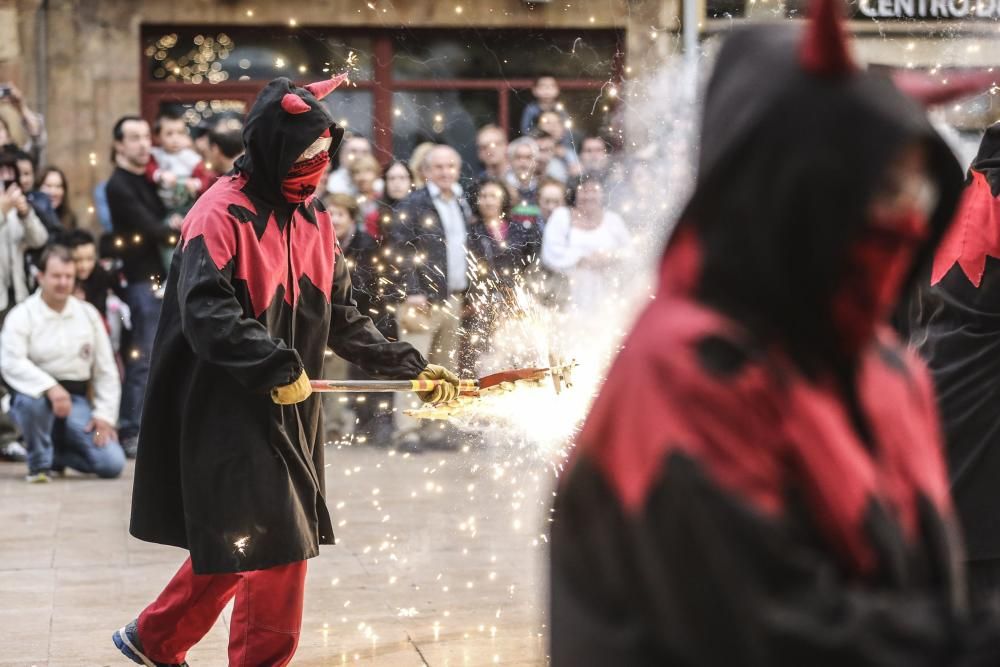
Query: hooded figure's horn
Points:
[930, 90]
[824, 50]
[321, 89]
[294, 104]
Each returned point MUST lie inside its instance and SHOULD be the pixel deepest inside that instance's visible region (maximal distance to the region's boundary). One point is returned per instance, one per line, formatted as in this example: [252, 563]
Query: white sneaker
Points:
[13, 451]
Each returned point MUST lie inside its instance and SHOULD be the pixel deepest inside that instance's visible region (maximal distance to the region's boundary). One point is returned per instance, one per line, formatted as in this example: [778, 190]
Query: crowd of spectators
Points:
[420, 240]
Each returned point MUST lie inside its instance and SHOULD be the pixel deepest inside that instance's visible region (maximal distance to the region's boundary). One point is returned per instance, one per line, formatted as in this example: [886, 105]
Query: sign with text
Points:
[929, 9]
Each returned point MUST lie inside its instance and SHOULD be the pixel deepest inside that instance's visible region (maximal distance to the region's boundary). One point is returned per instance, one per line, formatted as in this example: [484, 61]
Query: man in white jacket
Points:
[57, 358]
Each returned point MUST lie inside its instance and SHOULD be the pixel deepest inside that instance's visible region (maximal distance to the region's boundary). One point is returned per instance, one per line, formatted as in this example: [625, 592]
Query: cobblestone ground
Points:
[440, 562]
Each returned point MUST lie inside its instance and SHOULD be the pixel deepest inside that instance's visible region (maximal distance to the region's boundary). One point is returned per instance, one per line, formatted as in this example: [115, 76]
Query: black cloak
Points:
[746, 490]
[256, 292]
[957, 328]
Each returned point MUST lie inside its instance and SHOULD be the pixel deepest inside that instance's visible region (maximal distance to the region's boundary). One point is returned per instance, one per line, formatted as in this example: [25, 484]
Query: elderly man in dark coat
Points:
[230, 464]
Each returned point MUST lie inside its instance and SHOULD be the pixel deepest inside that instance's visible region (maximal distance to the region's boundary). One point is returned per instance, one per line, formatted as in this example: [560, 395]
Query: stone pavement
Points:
[440, 562]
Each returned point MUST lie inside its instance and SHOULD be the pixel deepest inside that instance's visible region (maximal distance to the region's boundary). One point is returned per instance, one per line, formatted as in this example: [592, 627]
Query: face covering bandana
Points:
[304, 177]
[880, 262]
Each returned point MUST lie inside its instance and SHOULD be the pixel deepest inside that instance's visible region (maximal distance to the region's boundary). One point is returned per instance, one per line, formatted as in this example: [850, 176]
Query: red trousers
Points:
[266, 619]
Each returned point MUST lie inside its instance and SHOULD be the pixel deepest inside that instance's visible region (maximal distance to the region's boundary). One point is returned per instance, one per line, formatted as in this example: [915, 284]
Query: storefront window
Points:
[194, 112]
[352, 109]
[497, 54]
[438, 85]
[446, 116]
[216, 56]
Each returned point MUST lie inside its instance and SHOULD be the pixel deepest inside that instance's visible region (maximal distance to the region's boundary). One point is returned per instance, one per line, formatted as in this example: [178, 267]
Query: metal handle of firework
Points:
[386, 386]
[467, 387]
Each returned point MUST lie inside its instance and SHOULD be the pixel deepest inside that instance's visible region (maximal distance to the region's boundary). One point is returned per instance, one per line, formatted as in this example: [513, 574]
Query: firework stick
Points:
[465, 386]
[385, 386]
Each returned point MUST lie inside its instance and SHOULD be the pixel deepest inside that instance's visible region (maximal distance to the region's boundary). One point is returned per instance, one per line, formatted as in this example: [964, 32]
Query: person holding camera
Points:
[32, 124]
[20, 230]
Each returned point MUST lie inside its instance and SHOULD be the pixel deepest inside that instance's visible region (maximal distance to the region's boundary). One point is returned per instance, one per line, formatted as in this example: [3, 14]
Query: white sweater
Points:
[17, 235]
[565, 246]
[39, 346]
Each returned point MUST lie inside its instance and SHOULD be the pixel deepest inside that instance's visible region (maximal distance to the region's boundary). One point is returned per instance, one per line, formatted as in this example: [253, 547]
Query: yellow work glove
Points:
[444, 392]
[295, 392]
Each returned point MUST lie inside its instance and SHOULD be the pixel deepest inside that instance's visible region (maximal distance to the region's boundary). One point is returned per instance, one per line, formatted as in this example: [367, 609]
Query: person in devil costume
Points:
[956, 325]
[760, 481]
[230, 462]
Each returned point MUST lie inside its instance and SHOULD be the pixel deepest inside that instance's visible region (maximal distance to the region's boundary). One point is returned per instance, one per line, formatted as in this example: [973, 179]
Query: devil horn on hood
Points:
[321, 89]
[294, 104]
[932, 90]
[824, 50]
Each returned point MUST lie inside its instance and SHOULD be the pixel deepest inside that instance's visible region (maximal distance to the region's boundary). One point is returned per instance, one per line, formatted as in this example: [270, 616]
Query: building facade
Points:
[420, 69]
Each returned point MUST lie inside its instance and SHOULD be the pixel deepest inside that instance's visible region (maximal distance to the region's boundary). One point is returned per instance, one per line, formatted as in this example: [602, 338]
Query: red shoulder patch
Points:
[264, 255]
[658, 398]
[974, 234]
[759, 429]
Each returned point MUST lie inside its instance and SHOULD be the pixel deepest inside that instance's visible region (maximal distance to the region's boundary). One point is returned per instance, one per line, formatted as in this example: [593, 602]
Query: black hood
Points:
[274, 138]
[988, 158]
[789, 161]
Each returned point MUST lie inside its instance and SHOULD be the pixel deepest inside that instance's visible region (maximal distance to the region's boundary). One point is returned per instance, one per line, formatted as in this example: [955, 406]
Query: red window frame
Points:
[382, 85]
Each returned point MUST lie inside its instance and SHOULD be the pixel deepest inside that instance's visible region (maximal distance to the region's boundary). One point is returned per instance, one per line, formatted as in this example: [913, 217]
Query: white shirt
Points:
[181, 164]
[557, 169]
[453, 222]
[564, 246]
[339, 180]
[39, 347]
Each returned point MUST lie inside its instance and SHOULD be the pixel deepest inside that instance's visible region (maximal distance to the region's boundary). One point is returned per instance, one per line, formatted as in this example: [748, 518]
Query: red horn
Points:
[294, 104]
[824, 51]
[321, 89]
[932, 90]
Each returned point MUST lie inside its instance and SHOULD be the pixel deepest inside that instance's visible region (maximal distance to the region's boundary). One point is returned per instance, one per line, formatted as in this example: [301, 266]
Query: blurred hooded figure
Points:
[957, 327]
[230, 463]
[760, 481]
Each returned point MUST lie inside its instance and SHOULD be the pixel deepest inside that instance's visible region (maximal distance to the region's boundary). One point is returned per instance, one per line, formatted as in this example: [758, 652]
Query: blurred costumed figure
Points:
[761, 481]
[230, 464]
[957, 327]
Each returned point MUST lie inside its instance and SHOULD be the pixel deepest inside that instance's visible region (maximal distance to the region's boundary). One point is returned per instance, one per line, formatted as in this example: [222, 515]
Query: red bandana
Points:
[303, 178]
[881, 260]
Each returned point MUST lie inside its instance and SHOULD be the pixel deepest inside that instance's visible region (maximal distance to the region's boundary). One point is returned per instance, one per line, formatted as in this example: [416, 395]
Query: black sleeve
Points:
[215, 326]
[114, 283]
[354, 337]
[45, 213]
[698, 578]
[403, 237]
[128, 207]
[532, 246]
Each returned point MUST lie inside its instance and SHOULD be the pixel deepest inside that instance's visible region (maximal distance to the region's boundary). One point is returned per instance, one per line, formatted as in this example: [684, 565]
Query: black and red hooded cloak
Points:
[756, 484]
[256, 292]
[957, 327]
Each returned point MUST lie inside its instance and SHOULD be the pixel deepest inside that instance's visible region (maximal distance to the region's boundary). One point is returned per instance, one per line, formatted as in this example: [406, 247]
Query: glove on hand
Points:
[444, 392]
[295, 392]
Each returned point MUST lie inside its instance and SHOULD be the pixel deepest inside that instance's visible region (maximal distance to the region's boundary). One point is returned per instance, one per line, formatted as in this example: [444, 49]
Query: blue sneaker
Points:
[127, 641]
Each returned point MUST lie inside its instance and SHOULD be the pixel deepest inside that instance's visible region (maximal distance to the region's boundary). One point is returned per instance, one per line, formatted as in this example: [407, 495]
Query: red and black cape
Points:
[256, 292]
